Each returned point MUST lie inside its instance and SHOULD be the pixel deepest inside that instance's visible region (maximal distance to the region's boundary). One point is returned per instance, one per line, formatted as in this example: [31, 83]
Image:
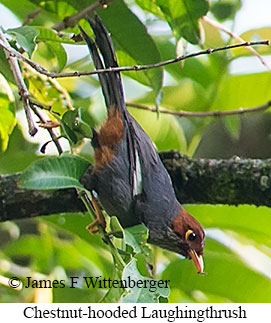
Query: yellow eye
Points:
[190, 235]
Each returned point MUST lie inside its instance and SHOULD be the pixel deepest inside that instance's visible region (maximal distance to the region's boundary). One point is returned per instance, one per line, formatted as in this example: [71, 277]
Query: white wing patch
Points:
[137, 176]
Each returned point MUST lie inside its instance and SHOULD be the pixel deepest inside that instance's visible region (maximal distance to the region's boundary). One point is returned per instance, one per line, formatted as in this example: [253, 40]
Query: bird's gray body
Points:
[133, 183]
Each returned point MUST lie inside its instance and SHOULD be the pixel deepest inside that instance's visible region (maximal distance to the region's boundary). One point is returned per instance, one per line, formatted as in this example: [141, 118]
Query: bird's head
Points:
[190, 238]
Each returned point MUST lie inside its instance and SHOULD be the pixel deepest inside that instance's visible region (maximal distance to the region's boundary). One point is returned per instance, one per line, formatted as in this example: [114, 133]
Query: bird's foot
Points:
[99, 221]
[50, 124]
[93, 227]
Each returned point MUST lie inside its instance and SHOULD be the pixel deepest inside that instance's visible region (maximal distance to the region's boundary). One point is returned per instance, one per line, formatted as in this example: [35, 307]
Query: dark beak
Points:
[197, 260]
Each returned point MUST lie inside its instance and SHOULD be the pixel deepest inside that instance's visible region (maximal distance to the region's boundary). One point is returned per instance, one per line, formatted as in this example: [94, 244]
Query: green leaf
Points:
[166, 132]
[195, 98]
[227, 278]
[20, 153]
[139, 294]
[116, 228]
[225, 9]
[76, 224]
[21, 9]
[25, 37]
[129, 39]
[5, 67]
[242, 91]
[7, 121]
[47, 34]
[74, 127]
[69, 134]
[212, 36]
[62, 8]
[251, 221]
[54, 173]
[254, 35]
[183, 16]
[200, 70]
[233, 125]
[113, 294]
[59, 52]
[136, 237]
[152, 7]
[143, 77]
[47, 93]
[7, 113]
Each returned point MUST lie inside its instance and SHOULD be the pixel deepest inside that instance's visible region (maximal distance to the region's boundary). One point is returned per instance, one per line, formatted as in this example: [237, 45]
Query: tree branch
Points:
[71, 21]
[234, 181]
[23, 91]
[16, 203]
[230, 181]
[40, 69]
[182, 113]
[31, 16]
[50, 130]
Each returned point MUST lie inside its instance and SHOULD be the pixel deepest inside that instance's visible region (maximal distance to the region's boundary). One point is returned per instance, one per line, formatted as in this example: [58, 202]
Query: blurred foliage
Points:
[225, 9]
[237, 253]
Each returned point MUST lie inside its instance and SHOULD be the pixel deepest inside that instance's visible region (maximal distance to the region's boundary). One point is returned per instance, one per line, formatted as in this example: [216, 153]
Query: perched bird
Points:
[129, 178]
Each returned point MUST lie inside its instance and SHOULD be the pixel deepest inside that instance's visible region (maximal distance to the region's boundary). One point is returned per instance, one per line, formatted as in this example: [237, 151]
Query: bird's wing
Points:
[113, 92]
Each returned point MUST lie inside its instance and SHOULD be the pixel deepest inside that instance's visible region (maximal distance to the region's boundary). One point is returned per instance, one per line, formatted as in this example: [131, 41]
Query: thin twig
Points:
[28, 71]
[14, 53]
[51, 131]
[42, 70]
[236, 37]
[71, 21]
[182, 113]
[31, 16]
[22, 89]
[63, 91]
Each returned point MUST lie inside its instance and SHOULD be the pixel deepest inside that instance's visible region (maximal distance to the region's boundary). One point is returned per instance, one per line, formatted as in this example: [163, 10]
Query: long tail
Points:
[111, 81]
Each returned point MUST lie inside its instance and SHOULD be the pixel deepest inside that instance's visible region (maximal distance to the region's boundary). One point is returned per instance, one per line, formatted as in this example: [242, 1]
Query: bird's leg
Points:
[100, 220]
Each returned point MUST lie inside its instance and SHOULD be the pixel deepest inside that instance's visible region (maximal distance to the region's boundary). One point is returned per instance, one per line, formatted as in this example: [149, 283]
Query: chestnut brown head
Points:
[191, 238]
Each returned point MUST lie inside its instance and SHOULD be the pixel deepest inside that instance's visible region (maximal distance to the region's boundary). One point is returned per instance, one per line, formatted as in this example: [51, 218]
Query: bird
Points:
[129, 178]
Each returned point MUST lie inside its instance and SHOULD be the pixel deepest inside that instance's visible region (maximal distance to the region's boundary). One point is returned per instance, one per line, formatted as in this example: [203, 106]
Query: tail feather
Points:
[111, 81]
[111, 84]
[104, 81]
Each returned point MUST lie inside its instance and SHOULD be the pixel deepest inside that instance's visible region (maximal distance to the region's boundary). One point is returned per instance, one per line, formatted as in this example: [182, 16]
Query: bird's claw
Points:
[93, 227]
[99, 221]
